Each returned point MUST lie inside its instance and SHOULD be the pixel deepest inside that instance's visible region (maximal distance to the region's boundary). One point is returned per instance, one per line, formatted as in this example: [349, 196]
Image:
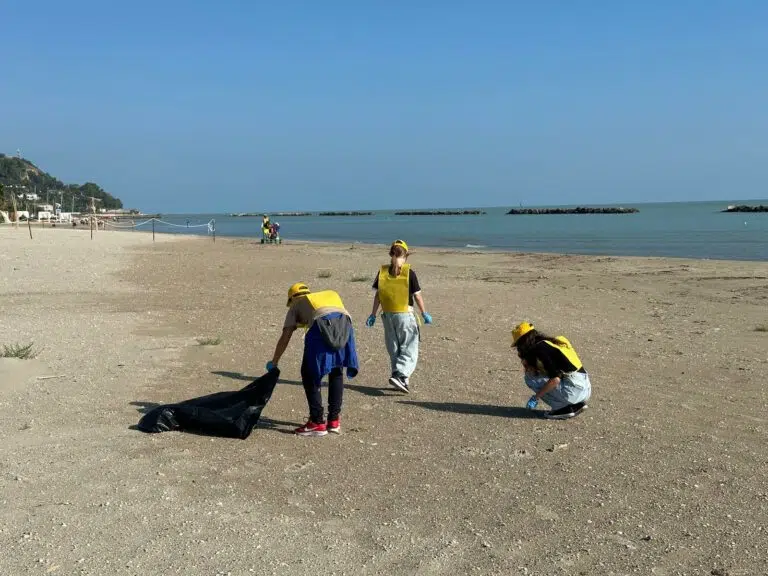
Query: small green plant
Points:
[324, 274]
[209, 341]
[762, 328]
[20, 351]
[360, 278]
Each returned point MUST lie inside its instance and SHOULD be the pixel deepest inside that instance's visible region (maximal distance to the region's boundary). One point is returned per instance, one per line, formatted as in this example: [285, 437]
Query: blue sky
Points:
[201, 106]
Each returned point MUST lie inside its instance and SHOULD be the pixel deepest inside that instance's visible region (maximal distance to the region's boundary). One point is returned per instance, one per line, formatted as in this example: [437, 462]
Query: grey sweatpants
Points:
[401, 336]
[573, 388]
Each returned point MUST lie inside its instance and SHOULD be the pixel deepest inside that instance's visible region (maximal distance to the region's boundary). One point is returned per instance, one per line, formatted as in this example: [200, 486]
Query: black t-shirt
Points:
[555, 363]
[413, 285]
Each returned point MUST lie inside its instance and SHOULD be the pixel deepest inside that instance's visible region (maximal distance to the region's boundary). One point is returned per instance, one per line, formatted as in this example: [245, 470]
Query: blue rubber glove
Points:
[270, 366]
[533, 402]
[427, 317]
[371, 321]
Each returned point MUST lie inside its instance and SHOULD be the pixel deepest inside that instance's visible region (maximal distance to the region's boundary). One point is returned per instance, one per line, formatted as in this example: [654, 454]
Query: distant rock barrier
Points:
[287, 214]
[440, 213]
[260, 214]
[745, 208]
[345, 214]
[577, 210]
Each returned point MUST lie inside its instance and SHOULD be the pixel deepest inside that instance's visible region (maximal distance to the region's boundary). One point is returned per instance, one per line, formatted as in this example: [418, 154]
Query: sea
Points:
[679, 230]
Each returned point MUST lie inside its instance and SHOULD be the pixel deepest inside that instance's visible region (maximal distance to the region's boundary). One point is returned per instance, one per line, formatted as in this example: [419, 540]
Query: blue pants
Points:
[574, 387]
[401, 336]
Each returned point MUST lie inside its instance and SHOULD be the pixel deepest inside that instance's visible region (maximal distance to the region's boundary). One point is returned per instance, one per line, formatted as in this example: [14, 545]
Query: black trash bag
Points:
[226, 414]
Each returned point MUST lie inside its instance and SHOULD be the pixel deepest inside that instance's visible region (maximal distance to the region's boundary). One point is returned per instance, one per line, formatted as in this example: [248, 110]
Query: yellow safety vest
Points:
[325, 299]
[566, 349]
[394, 290]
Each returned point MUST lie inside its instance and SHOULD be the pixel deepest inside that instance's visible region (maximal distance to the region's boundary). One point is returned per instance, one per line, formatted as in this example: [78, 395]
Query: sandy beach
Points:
[664, 474]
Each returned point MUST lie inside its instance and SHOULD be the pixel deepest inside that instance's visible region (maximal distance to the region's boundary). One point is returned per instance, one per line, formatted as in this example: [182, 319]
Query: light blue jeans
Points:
[401, 336]
[573, 388]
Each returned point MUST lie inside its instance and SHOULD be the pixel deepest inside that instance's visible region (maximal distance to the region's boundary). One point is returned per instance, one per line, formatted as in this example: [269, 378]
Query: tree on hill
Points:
[20, 176]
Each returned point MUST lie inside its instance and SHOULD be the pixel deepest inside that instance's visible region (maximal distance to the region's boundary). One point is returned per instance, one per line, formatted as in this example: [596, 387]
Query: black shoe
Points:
[399, 382]
[570, 411]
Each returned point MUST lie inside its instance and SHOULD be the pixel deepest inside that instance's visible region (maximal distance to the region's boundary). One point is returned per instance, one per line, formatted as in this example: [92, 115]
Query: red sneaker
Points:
[311, 429]
[334, 426]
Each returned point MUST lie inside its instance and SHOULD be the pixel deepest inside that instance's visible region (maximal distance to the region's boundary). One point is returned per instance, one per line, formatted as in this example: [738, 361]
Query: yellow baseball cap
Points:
[521, 330]
[298, 289]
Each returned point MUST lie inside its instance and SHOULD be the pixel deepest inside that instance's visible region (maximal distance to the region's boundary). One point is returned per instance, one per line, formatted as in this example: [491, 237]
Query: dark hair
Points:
[526, 343]
[398, 251]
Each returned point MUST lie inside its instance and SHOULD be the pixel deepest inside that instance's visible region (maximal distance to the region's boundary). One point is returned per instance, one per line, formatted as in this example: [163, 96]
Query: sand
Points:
[664, 474]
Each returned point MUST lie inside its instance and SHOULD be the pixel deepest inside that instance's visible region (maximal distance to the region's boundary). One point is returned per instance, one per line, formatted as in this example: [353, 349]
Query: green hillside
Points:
[20, 176]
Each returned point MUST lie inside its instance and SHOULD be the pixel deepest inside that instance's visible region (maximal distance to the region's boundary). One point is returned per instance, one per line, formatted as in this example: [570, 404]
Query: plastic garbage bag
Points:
[226, 414]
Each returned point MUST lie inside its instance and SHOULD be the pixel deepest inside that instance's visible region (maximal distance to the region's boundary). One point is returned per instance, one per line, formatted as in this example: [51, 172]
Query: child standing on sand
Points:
[397, 288]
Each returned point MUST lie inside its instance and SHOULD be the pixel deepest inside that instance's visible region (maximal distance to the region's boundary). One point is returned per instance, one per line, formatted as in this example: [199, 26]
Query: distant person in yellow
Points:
[329, 347]
[265, 224]
[397, 288]
[553, 371]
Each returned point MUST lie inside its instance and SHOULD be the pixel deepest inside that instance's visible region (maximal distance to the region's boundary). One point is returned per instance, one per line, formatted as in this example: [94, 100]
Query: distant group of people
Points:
[269, 230]
[553, 370]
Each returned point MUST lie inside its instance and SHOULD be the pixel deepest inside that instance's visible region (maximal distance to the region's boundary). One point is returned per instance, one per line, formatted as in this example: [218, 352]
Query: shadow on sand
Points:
[476, 409]
[246, 378]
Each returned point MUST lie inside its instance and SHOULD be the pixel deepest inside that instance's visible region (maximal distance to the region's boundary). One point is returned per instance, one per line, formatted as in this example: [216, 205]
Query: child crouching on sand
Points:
[397, 288]
[553, 371]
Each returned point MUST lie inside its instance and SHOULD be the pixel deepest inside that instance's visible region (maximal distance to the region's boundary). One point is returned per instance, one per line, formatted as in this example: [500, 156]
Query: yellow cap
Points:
[400, 243]
[298, 289]
[521, 330]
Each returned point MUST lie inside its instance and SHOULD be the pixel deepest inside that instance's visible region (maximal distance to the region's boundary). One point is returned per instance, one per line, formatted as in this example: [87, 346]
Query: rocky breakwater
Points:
[440, 213]
[345, 214]
[577, 210]
[260, 214]
[745, 208]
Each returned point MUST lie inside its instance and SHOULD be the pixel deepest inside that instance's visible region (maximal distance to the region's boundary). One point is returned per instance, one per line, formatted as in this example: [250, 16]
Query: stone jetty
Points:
[260, 214]
[345, 214]
[440, 213]
[577, 210]
[745, 208]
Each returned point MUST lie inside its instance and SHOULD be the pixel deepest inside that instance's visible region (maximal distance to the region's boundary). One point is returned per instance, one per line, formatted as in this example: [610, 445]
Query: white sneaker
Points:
[399, 382]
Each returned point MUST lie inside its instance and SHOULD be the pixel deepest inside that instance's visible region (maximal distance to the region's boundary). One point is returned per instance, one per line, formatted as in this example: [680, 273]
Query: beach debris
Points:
[556, 447]
[51, 377]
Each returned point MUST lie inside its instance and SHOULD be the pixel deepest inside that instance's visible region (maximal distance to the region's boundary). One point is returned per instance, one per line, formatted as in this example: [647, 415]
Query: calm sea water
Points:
[686, 230]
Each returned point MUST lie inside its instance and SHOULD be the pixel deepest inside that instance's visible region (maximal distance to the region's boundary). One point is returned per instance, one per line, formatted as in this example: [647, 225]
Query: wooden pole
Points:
[91, 219]
[214, 231]
[15, 212]
[153, 229]
[29, 224]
